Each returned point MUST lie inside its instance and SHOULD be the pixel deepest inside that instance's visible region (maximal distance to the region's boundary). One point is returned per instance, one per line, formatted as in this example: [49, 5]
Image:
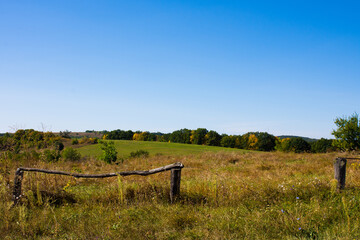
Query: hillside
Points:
[125, 147]
[305, 138]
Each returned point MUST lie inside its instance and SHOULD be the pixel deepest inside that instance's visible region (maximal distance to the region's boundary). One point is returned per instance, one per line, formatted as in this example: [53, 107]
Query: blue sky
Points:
[285, 67]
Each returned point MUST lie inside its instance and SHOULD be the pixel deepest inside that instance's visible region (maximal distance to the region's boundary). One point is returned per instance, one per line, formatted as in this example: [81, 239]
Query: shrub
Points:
[70, 154]
[139, 153]
[58, 145]
[88, 140]
[50, 155]
[109, 152]
[65, 134]
[93, 140]
[74, 141]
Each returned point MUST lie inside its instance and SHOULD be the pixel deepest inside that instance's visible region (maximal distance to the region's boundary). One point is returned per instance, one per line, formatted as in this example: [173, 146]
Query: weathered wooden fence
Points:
[175, 178]
[340, 171]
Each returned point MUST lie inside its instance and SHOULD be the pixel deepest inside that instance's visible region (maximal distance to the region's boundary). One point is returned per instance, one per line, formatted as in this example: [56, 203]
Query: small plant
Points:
[139, 153]
[109, 152]
[70, 154]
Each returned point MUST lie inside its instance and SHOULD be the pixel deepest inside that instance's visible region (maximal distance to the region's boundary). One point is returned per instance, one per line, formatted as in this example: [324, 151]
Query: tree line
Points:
[347, 138]
[260, 141]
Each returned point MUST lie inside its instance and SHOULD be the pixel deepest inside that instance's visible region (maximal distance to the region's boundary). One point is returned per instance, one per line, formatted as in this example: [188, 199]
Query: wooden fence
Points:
[340, 171]
[175, 178]
[175, 168]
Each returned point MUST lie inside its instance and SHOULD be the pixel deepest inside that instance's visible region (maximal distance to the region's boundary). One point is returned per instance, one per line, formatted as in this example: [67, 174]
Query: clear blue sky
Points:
[285, 67]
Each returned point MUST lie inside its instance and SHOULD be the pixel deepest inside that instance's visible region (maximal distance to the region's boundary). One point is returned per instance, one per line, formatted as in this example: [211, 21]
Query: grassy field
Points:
[224, 195]
[125, 147]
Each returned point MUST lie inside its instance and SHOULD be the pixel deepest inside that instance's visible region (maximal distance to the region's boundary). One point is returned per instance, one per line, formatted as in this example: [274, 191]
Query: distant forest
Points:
[260, 141]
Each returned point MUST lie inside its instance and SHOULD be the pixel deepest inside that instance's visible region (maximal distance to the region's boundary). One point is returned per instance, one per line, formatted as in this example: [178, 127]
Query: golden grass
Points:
[224, 195]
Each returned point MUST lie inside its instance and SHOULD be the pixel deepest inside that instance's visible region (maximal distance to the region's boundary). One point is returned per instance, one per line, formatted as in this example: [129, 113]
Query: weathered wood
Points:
[175, 183]
[20, 171]
[17, 185]
[340, 172]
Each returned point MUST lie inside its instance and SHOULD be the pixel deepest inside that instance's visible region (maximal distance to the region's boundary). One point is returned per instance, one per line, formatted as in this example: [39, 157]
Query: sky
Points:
[284, 67]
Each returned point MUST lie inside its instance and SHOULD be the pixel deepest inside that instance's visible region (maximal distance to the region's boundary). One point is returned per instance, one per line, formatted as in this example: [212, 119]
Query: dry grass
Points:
[224, 195]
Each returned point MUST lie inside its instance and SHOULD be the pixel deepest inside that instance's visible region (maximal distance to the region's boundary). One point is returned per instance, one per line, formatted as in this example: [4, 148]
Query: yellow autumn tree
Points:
[252, 142]
[136, 136]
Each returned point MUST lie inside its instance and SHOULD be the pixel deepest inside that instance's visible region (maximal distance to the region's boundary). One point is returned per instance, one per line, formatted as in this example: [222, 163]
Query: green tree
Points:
[212, 138]
[180, 136]
[109, 152]
[322, 146]
[198, 136]
[348, 133]
[228, 141]
[299, 145]
[261, 141]
[295, 144]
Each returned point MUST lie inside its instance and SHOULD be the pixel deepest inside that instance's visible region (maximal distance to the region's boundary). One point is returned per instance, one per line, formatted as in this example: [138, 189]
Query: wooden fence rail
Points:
[174, 180]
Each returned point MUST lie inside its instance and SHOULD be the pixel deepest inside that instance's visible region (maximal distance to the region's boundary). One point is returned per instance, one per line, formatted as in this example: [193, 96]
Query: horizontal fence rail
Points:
[174, 180]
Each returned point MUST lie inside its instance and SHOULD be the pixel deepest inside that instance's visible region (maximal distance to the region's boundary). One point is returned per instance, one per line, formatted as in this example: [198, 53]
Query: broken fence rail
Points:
[174, 180]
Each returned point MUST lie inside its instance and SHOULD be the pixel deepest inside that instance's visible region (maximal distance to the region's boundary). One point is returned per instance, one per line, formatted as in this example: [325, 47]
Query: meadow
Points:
[225, 194]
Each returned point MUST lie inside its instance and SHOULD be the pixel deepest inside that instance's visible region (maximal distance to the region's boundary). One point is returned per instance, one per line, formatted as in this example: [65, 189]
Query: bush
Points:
[58, 145]
[109, 152]
[50, 155]
[75, 141]
[65, 134]
[70, 154]
[88, 140]
[139, 153]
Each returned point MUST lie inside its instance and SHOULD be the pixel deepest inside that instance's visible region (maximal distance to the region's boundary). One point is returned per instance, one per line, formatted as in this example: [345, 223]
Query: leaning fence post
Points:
[340, 172]
[17, 185]
[175, 183]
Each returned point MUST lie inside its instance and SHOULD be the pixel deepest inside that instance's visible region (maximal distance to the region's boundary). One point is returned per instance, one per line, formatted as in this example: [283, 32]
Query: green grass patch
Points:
[125, 147]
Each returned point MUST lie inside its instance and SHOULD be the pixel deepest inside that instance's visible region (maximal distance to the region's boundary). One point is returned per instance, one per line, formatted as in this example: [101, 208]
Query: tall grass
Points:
[224, 195]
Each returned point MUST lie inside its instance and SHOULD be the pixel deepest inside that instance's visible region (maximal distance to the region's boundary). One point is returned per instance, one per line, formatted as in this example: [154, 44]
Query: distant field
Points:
[125, 147]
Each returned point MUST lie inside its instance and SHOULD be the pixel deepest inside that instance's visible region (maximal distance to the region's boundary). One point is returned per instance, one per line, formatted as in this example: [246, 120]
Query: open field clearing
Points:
[224, 195]
[125, 147]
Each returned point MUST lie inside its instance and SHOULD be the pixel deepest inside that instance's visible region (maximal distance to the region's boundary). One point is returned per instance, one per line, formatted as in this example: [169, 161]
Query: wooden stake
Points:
[17, 185]
[340, 172]
[175, 184]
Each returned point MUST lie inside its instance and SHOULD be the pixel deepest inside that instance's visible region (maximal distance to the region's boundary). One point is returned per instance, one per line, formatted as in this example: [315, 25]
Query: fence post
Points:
[340, 172]
[175, 183]
[17, 185]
